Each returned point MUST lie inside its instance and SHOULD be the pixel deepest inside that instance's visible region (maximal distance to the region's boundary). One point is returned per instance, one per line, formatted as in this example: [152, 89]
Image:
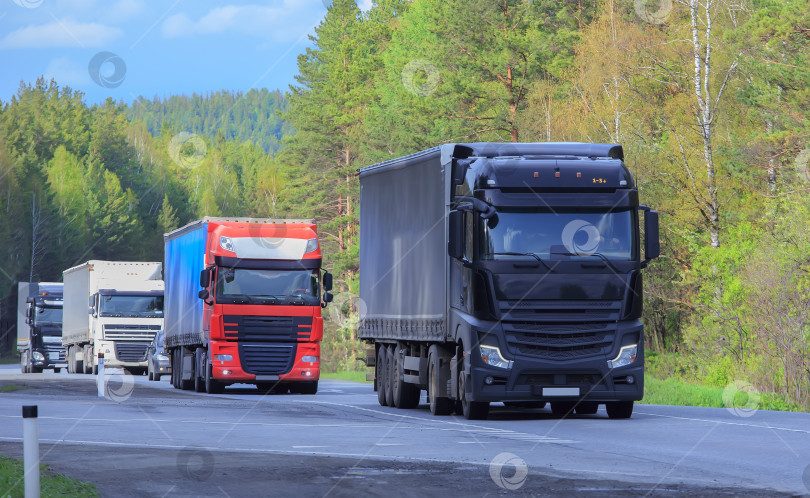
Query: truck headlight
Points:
[491, 355]
[223, 357]
[626, 356]
[312, 245]
[226, 243]
[309, 359]
[162, 357]
[38, 356]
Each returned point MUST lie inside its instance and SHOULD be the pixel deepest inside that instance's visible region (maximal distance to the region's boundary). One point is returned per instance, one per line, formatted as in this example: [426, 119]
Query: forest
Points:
[710, 99]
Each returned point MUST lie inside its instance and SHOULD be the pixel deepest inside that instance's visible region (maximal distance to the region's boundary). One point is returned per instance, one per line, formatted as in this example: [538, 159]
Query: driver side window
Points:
[468, 235]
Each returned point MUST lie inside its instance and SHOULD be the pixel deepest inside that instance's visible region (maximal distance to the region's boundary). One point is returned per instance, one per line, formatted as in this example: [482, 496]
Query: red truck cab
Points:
[260, 297]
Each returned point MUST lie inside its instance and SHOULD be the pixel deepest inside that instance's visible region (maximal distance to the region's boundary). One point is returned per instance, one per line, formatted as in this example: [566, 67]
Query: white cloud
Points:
[67, 72]
[124, 10]
[61, 33]
[365, 5]
[288, 21]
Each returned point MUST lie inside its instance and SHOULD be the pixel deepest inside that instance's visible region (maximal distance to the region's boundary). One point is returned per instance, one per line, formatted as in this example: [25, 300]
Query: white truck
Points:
[114, 308]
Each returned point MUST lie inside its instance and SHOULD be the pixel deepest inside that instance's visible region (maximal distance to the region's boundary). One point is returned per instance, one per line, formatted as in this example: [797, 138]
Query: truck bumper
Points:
[242, 370]
[528, 383]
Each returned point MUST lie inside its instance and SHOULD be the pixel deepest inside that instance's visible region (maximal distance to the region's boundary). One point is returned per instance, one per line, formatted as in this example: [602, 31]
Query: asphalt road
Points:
[147, 439]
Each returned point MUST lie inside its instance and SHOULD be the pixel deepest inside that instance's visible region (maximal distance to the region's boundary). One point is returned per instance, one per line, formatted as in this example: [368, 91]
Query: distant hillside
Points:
[237, 116]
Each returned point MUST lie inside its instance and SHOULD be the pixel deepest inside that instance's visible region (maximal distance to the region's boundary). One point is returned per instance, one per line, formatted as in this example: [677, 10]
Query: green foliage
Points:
[12, 483]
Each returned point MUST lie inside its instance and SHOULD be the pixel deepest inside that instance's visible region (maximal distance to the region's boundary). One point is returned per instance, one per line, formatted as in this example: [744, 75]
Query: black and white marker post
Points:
[31, 450]
[100, 379]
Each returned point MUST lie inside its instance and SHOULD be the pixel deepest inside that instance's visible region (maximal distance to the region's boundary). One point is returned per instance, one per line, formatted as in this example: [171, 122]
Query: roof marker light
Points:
[536, 174]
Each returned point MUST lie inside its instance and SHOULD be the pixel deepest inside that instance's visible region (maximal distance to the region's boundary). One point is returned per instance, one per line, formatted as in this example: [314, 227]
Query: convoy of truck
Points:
[255, 317]
[39, 326]
[489, 273]
[505, 273]
[113, 308]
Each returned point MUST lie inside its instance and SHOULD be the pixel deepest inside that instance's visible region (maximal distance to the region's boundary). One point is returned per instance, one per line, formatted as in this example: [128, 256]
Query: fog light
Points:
[631, 379]
[226, 372]
[223, 357]
[488, 381]
[306, 373]
[309, 359]
[108, 350]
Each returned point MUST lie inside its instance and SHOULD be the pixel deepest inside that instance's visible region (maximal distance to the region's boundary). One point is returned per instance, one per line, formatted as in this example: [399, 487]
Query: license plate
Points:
[560, 391]
[53, 356]
[264, 378]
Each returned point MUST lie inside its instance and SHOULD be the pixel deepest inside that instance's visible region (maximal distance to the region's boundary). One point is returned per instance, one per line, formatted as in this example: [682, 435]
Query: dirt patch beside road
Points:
[124, 471]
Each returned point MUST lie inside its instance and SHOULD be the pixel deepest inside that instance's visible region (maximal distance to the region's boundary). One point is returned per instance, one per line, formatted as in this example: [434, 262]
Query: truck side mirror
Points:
[91, 311]
[327, 298]
[327, 281]
[455, 244]
[205, 278]
[203, 294]
[652, 246]
[91, 301]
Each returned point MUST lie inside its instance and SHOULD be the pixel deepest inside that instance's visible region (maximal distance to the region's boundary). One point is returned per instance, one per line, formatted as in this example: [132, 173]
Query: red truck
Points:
[243, 304]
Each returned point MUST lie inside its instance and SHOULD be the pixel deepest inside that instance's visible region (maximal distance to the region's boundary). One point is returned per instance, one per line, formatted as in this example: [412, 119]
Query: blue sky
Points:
[126, 48]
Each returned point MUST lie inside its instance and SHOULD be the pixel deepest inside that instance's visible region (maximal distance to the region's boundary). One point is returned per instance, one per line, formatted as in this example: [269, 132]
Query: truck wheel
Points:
[380, 373]
[439, 405]
[175, 369]
[562, 408]
[586, 408]
[87, 360]
[389, 375]
[57, 370]
[211, 386]
[23, 364]
[406, 395]
[185, 384]
[70, 358]
[36, 370]
[472, 410]
[619, 409]
[308, 387]
[199, 380]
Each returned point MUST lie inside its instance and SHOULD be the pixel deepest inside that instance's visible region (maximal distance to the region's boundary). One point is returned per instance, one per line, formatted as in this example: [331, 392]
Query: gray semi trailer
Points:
[505, 273]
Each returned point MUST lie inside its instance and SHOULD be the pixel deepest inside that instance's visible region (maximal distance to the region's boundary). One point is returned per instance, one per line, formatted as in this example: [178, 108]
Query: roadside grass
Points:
[347, 375]
[12, 483]
[11, 387]
[674, 392]
[9, 357]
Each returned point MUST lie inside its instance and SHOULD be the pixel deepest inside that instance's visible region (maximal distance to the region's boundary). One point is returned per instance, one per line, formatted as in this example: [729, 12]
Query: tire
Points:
[175, 374]
[149, 375]
[57, 370]
[406, 395]
[95, 369]
[78, 365]
[472, 410]
[185, 385]
[562, 408]
[381, 368]
[23, 364]
[619, 409]
[389, 376]
[211, 386]
[199, 380]
[308, 387]
[439, 405]
[586, 408]
[87, 360]
[71, 360]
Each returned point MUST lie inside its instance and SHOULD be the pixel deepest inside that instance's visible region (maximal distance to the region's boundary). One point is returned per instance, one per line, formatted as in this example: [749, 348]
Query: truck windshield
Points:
[132, 306]
[47, 314]
[254, 286]
[551, 234]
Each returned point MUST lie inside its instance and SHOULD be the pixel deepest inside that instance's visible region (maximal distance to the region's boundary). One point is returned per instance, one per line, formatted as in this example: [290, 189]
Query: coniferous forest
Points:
[710, 100]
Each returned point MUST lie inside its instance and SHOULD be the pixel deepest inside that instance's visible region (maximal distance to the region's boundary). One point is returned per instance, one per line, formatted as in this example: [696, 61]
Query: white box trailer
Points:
[114, 308]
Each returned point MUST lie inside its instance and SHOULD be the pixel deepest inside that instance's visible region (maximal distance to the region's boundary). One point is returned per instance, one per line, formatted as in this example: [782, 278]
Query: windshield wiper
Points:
[535, 256]
[236, 298]
[565, 252]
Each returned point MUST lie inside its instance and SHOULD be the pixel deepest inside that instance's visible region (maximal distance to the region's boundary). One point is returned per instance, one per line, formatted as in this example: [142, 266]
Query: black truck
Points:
[495, 272]
[39, 327]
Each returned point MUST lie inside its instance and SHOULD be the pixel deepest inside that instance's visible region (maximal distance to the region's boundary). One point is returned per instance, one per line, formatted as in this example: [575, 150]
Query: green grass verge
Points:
[675, 392]
[11, 387]
[12, 483]
[347, 375]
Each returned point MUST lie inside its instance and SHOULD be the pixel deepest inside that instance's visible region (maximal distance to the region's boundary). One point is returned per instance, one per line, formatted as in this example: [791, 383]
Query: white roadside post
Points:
[100, 379]
[31, 450]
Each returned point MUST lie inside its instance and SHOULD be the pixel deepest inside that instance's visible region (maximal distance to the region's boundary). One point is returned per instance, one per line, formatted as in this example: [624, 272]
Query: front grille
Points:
[267, 328]
[267, 359]
[131, 351]
[114, 331]
[55, 352]
[560, 330]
